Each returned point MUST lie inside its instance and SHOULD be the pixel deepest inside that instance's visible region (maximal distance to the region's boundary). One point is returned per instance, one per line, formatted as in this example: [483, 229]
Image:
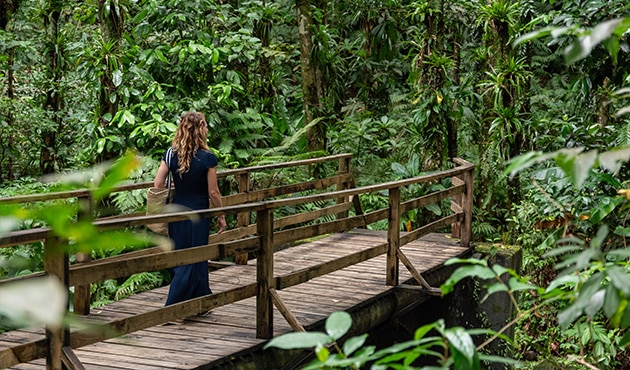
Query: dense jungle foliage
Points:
[403, 85]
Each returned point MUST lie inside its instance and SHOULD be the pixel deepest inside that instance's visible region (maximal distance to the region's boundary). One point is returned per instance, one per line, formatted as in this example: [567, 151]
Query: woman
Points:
[193, 169]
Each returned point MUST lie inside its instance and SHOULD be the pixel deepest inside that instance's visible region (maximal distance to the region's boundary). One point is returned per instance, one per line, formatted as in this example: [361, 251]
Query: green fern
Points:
[138, 283]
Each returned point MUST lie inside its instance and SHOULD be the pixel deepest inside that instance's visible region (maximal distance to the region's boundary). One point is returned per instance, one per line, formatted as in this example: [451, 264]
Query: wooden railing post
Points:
[456, 206]
[56, 264]
[82, 292]
[393, 237]
[467, 207]
[243, 217]
[264, 274]
[343, 167]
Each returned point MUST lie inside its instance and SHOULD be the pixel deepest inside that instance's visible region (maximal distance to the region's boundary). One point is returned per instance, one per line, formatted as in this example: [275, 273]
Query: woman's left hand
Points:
[221, 224]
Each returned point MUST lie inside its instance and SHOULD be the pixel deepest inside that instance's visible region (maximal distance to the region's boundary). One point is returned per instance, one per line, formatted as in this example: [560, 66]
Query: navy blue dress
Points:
[191, 191]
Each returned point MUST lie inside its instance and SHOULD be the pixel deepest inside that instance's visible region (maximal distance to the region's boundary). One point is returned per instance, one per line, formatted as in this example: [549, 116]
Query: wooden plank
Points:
[306, 274]
[97, 333]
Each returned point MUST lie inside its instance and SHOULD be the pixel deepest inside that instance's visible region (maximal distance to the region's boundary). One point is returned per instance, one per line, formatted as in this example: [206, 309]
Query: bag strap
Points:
[169, 155]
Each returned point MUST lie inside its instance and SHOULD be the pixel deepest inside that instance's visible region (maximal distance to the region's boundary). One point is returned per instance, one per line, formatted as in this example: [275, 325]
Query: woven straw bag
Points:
[158, 198]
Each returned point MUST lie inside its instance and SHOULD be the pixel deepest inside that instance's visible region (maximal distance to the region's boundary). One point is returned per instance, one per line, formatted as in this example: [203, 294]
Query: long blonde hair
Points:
[191, 135]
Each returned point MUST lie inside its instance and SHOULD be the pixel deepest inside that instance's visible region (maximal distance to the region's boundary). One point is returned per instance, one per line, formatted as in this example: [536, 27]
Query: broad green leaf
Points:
[338, 324]
[322, 353]
[563, 281]
[423, 330]
[460, 340]
[299, 340]
[499, 270]
[595, 303]
[472, 261]
[435, 208]
[117, 77]
[582, 47]
[546, 31]
[463, 272]
[614, 158]
[463, 349]
[516, 285]
[604, 207]
[40, 300]
[493, 288]
[611, 301]
[354, 343]
[600, 238]
[562, 250]
[619, 278]
[575, 310]
[623, 231]
[399, 169]
[576, 165]
[625, 340]
[119, 171]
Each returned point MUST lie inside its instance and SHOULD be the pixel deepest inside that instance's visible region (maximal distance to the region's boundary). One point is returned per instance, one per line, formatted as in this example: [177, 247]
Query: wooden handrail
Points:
[80, 193]
[262, 243]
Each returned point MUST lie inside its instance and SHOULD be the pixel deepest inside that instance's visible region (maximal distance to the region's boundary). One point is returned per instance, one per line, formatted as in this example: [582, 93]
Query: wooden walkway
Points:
[229, 332]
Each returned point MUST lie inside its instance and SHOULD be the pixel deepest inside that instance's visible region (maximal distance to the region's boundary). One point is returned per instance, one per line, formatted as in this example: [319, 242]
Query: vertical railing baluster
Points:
[56, 265]
[264, 274]
[243, 217]
[393, 237]
[343, 167]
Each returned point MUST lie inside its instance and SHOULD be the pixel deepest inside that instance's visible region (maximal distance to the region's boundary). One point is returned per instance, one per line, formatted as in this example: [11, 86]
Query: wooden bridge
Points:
[313, 255]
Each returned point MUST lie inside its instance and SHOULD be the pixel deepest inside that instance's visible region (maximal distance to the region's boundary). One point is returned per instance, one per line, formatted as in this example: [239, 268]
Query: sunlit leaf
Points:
[354, 343]
[322, 353]
[493, 288]
[575, 310]
[611, 301]
[338, 324]
[516, 285]
[582, 46]
[595, 303]
[619, 278]
[40, 300]
[463, 272]
[614, 158]
[603, 208]
[576, 165]
[299, 340]
[461, 342]
[120, 170]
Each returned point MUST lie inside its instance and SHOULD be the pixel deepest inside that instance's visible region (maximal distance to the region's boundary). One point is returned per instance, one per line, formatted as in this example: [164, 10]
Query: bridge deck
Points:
[229, 331]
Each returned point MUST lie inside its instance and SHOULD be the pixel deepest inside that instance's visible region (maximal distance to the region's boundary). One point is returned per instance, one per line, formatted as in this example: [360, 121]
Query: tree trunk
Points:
[451, 122]
[7, 7]
[262, 30]
[112, 26]
[311, 84]
[53, 103]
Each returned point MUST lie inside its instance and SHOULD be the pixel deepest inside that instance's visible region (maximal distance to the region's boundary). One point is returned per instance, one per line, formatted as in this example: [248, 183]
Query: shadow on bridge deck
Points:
[226, 338]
